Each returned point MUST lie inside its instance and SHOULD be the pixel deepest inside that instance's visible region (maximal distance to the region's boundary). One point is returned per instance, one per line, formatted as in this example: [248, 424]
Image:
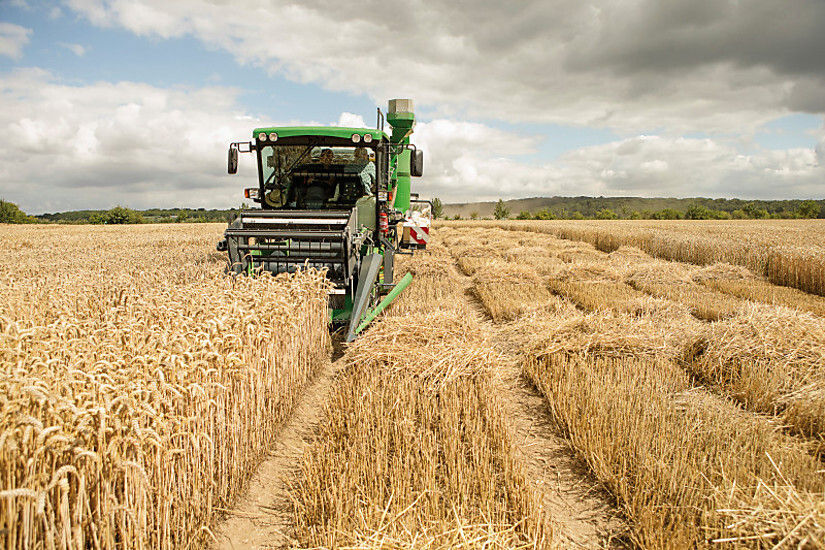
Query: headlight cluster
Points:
[357, 138]
[272, 136]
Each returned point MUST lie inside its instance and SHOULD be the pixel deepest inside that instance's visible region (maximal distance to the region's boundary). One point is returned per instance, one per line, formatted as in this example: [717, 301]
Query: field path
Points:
[262, 517]
[584, 515]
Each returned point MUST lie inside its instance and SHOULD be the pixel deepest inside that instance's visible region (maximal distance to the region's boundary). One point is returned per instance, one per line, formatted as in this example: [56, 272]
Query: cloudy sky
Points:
[133, 102]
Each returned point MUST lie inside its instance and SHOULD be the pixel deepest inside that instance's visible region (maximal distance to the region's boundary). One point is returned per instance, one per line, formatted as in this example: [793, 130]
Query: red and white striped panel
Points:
[420, 235]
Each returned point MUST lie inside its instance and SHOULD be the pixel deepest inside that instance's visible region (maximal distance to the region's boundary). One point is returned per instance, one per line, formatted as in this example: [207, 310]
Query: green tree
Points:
[121, 215]
[473, 215]
[457, 217]
[809, 209]
[576, 215]
[667, 214]
[606, 214]
[544, 214]
[11, 213]
[182, 216]
[438, 208]
[752, 210]
[524, 215]
[699, 212]
[501, 212]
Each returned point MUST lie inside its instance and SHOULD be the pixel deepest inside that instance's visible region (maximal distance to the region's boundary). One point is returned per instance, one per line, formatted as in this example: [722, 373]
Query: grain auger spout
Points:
[337, 199]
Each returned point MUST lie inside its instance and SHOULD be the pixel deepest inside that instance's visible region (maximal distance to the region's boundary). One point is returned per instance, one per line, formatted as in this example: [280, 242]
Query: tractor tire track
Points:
[584, 516]
[583, 513]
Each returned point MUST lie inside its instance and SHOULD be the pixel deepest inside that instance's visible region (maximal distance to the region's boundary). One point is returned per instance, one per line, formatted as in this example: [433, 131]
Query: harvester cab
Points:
[336, 199]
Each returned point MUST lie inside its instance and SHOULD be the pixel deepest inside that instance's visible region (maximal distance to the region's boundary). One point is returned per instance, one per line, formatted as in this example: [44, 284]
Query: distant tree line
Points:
[123, 215]
[695, 211]
[563, 209]
[11, 213]
[752, 211]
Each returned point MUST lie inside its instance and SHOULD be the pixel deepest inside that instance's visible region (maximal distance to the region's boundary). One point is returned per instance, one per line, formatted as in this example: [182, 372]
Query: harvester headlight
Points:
[367, 138]
[262, 137]
[356, 138]
[273, 137]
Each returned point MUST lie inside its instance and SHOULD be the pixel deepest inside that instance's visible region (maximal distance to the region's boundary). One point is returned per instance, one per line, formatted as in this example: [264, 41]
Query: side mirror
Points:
[417, 163]
[232, 160]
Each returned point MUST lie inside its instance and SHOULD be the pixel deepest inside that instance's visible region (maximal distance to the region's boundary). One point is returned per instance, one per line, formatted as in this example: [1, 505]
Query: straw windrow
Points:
[756, 245]
[687, 466]
[414, 450]
[772, 359]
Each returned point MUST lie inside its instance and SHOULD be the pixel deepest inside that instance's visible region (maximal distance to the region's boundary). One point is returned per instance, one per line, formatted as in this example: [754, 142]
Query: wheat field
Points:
[697, 405]
[682, 366]
[789, 253]
[135, 378]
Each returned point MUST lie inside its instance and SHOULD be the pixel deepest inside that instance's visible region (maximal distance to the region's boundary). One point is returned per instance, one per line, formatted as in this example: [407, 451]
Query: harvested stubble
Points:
[541, 252]
[688, 466]
[628, 257]
[472, 257]
[596, 286]
[435, 282]
[140, 389]
[724, 289]
[673, 281]
[766, 247]
[508, 289]
[600, 295]
[544, 266]
[683, 464]
[739, 282]
[772, 359]
[472, 261]
[520, 251]
[414, 450]
[580, 254]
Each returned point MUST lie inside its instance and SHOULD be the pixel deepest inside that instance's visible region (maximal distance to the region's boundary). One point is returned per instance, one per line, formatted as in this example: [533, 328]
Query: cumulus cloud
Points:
[76, 49]
[72, 147]
[12, 39]
[350, 120]
[468, 161]
[97, 145]
[663, 166]
[669, 65]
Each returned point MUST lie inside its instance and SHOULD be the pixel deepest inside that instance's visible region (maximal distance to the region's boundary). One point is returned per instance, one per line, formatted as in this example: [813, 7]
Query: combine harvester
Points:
[337, 199]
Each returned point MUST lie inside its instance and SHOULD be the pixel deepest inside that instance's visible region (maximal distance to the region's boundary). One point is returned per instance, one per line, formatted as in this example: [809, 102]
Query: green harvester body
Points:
[324, 206]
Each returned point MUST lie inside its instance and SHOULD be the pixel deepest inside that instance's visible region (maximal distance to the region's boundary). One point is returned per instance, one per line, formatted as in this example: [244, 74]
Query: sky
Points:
[116, 102]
